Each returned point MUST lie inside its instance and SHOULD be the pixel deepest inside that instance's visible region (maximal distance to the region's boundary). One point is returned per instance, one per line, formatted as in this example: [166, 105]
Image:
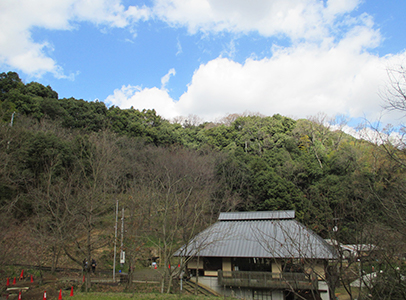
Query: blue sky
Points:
[210, 58]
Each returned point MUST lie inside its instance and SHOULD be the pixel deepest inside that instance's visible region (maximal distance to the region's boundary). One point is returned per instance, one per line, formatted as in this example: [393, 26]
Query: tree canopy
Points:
[70, 156]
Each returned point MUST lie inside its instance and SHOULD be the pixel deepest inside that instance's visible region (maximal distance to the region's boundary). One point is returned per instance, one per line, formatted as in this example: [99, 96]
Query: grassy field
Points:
[120, 296]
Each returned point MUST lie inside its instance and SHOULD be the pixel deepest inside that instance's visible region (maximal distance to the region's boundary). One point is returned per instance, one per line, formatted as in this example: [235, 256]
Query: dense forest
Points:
[65, 163]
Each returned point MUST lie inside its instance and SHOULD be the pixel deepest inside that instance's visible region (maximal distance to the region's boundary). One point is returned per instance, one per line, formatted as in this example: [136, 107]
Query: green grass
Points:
[120, 296]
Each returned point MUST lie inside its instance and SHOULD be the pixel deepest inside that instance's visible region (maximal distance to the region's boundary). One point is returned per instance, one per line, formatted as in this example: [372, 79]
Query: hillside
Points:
[65, 163]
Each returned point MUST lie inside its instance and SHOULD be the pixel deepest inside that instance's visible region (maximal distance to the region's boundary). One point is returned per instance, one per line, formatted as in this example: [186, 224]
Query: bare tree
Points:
[170, 201]
[95, 179]
[229, 119]
[298, 254]
[10, 237]
[183, 181]
[394, 95]
[190, 120]
[192, 250]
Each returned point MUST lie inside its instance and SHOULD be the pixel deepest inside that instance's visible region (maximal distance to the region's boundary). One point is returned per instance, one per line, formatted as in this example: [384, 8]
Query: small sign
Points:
[122, 257]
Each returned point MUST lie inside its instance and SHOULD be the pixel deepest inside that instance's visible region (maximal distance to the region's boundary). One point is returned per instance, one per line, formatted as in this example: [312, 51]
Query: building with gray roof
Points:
[264, 255]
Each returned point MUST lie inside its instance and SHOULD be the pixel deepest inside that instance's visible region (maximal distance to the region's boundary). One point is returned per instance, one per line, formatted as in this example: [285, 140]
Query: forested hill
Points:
[86, 155]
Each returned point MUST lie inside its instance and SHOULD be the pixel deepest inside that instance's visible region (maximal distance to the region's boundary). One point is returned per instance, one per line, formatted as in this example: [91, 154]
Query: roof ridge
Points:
[257, 215]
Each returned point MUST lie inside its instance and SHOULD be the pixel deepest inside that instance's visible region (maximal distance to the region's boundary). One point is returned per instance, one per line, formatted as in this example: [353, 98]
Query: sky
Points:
[211, 58]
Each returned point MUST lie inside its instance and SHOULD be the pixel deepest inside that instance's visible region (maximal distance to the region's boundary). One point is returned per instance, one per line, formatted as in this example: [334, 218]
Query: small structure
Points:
[260, 255]
[359, 251]
[355, 251]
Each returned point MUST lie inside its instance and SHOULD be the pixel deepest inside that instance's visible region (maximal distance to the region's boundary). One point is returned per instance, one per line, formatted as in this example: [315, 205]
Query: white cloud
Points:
[18, 17]
[139, 98]
[327, 68]
[320, 71]
[296, 19]
[179, 47]
[298, 81]
[165, 78]
[337, 7]
[377, 135]
[109, 12]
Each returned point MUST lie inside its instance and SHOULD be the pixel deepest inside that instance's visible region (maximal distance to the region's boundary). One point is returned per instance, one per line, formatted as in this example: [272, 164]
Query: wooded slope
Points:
[65, 162]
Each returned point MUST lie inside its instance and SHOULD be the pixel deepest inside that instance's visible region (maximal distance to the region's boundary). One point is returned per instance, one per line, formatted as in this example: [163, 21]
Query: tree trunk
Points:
[197, 275]
[89, 260]
[169, 283]
[162, 283]
[56, 253]
[130, 272]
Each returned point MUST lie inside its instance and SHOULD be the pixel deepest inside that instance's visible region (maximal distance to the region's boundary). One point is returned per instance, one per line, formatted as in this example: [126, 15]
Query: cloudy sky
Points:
[210, 57]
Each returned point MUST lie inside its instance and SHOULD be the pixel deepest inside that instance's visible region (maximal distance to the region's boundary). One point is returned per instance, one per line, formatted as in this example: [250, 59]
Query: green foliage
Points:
[53, 109]
[37, 89]
[145, 124]
[192, 137]
[26, 99]
[71, 147]
[220, 136]
[9, 82]
[41, 151]
[80, 114]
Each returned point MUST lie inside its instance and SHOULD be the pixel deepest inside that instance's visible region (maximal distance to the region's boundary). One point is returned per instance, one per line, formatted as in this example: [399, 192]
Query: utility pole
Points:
[11, 125]
[122, 253]
[115, 244]
[12, 119]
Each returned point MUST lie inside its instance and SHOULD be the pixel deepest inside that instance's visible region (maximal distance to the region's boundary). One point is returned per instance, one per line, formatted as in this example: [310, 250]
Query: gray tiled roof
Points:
[253, 235]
